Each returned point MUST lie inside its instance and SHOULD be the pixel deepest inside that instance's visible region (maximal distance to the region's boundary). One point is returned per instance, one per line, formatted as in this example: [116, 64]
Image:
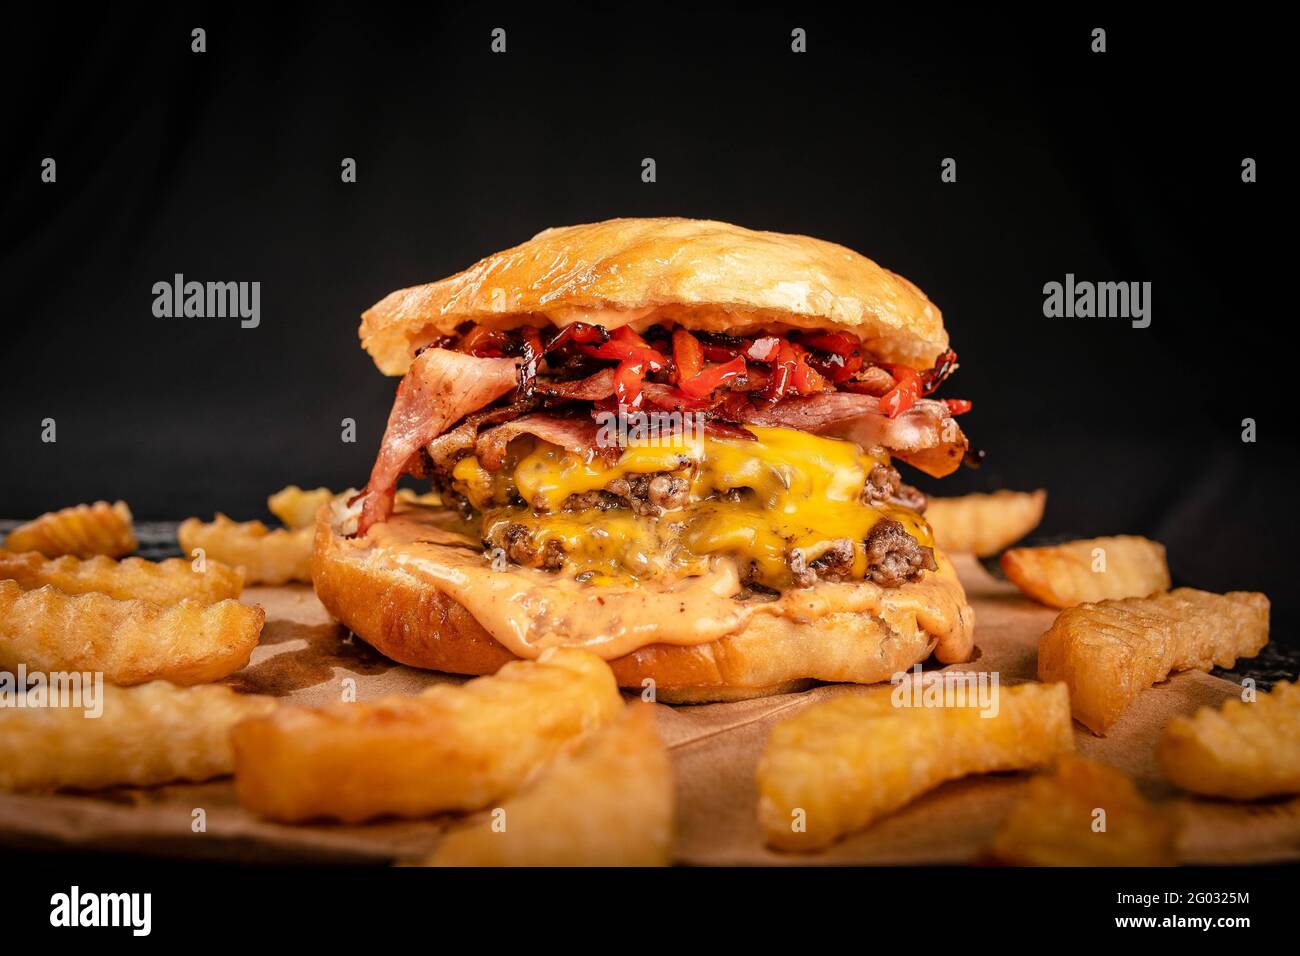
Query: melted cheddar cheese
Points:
[756, 502]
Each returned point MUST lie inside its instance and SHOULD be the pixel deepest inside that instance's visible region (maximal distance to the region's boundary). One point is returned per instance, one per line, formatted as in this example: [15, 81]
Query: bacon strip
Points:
[601, 385]
[445, 450]
[578, 435]
[440, 388]
[925, 436]
[590, 389]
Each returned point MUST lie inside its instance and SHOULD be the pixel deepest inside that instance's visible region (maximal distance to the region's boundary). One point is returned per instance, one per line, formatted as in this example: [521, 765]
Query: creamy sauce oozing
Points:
[530, 610]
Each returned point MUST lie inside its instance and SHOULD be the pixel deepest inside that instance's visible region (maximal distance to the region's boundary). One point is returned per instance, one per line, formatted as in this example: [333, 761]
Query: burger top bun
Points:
[704, 275]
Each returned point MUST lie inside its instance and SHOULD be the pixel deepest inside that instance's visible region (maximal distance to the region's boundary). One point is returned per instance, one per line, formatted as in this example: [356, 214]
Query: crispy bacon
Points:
[671, 398]
[578, 435]
[590, 389]
[445, 450]
[819, 382]
[441, 388]
[872, 380]
[600, 386]
[925, 436]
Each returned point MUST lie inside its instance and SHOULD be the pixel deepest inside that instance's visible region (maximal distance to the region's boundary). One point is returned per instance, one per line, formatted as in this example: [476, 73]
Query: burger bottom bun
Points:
[412, 622]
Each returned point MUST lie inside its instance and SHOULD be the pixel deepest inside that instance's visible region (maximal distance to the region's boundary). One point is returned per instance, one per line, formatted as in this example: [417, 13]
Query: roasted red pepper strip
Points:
[483, 342]
[783, 365]
[719, 347]
[631, 372]
[837, 355]
[623, 344]
[579, 333]
[956, 406]
[906, 390]
[944, 366]
[805, 379]
[837, 343]
[720, 353]
[688, 355]
[703, 383]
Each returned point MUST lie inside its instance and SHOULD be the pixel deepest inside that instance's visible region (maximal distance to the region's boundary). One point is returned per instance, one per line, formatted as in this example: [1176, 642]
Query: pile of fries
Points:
[148, 630]
[839, 766]
[567, 773]
[549, 766]
[70, 607]
[264, 555]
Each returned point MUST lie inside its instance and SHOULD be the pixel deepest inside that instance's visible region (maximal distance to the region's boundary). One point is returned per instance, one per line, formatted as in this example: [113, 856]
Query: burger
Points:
[673, 443]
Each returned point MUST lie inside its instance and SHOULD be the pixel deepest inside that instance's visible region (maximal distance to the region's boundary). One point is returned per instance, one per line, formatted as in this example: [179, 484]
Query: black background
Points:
[226, 166]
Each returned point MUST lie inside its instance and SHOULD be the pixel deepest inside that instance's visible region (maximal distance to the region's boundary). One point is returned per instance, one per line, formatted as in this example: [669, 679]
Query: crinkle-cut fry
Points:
[129, 642]
[610, 803]
[449, 748]
[984, 524]
[839, 766]
[1056, 821]
[1243, 751]
[1095, 569]
[82, 531]
[1108, 653]
[144, 735]
[267, 557]
[162, 582]
[297, 507]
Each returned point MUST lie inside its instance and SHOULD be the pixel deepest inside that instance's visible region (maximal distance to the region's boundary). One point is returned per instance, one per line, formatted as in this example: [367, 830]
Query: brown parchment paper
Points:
[305, 657]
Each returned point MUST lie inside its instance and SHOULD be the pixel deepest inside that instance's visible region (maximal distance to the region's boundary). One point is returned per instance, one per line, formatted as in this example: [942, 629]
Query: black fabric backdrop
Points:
[225, 165]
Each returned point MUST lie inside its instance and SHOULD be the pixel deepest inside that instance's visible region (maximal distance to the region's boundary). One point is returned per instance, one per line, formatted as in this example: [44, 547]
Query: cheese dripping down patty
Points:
[787, 499]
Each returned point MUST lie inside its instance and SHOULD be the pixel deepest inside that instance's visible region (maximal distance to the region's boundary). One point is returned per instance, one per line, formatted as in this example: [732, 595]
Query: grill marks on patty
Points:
[885, 486]
[835, 564]
[894, 557]
[651, 494]
[520, 546]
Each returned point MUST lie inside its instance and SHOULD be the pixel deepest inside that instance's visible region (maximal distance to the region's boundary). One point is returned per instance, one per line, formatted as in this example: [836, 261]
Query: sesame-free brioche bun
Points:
[704, 275]
[405, 615]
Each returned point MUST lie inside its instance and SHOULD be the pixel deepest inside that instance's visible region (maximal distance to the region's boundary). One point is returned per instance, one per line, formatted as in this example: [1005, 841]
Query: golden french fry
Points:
[1243, 751]
[1095, 569]
[163, 582]
[1110, 652]
[610, 803]
[1084, 814]
[297, 507]
[144, 735]
[129, 642]
[82, 531]
[450, 748]
[839, 766]
[267, 557]
[984, 524]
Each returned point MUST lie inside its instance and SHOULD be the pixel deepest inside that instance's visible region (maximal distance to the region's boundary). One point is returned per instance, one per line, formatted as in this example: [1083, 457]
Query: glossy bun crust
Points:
[702, 274]
[414, 623]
